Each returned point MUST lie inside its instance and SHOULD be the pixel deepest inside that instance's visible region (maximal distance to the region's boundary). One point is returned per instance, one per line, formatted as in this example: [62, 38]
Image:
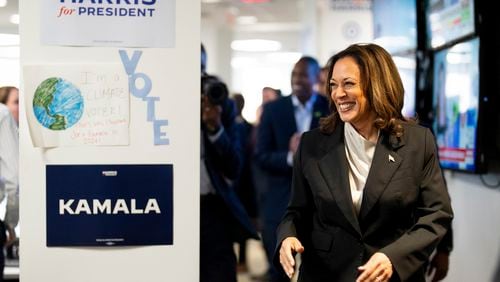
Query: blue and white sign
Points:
[118, 23]
[109, 205]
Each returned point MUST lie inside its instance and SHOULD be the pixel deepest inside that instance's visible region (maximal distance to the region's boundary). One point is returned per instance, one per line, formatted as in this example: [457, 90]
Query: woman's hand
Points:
[377, 269]
[289, 246]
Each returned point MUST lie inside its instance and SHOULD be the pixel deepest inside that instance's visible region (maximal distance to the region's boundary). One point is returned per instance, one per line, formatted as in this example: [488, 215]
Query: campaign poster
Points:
[109, 205]
[108, 23]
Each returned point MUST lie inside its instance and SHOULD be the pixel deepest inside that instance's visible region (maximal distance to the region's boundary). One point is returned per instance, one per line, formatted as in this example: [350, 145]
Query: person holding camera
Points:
[223, 220]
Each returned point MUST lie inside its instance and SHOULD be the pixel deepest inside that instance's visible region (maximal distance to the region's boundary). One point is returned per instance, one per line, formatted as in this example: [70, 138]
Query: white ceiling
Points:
[274, 11]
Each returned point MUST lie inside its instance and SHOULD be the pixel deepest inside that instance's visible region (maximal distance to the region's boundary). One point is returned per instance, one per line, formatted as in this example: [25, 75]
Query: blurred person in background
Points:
[9, 96]
[244, 185]
[282, 123]
[269, 94]
[9, 185]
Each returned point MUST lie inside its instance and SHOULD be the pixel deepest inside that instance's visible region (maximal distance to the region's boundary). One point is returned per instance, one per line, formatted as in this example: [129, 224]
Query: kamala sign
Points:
[107, 205]
[119, 23]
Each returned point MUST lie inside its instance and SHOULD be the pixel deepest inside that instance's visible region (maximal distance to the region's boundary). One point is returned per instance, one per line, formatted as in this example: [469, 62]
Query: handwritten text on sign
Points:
[106, 112]
[75, 105]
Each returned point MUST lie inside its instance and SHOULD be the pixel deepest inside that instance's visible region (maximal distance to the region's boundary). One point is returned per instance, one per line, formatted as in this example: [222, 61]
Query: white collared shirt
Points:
[9, 165]
[303, 118]
[303, 113]
[359, 152]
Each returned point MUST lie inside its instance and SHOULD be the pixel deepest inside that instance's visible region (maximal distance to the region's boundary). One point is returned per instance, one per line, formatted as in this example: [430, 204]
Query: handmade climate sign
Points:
[69, 105]
[120, 23]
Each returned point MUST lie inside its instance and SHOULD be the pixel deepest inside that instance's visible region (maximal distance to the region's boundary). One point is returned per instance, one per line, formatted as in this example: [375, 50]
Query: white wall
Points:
[217, 41]
[476, 227]
[209, 39]
[339, 29]
[175, 76]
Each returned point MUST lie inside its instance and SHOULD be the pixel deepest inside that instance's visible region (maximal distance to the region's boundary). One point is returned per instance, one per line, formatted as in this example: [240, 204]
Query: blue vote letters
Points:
[130, 64]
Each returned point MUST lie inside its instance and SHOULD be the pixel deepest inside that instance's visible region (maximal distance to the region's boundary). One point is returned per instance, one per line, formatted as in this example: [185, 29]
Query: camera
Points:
[215, 90]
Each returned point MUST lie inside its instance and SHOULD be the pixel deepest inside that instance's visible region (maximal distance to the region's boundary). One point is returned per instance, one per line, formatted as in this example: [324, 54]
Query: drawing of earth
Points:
[58, 104]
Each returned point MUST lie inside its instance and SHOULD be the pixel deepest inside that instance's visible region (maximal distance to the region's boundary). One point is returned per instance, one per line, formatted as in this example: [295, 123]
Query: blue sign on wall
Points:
[109, 205]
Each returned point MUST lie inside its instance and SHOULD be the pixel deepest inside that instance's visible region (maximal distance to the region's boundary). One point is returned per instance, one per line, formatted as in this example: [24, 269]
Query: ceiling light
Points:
[3, 3]
[243, 62]
[14, 19]
[210, 1]
[256, 45]
[246, 20]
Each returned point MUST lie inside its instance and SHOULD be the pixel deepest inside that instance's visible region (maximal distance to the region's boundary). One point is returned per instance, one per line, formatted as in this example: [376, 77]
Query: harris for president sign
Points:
[118, 23]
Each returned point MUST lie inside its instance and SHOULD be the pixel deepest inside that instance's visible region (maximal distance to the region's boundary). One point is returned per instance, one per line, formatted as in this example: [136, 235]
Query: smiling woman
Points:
[349, 98]
[370, 81]
[369, 202]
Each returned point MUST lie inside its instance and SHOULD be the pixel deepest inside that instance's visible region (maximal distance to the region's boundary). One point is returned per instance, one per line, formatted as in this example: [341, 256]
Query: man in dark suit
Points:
[278, 136]
[223, 220]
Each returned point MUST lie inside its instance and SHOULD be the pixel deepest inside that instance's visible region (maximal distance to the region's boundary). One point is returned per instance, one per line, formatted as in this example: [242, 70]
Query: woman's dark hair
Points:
[380, 82]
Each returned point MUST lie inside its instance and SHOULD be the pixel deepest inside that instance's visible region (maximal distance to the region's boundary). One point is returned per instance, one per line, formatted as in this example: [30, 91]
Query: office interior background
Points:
[254, 43]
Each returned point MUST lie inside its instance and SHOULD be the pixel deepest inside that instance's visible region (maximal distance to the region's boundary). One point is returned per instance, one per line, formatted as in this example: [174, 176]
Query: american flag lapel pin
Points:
[391, 159]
